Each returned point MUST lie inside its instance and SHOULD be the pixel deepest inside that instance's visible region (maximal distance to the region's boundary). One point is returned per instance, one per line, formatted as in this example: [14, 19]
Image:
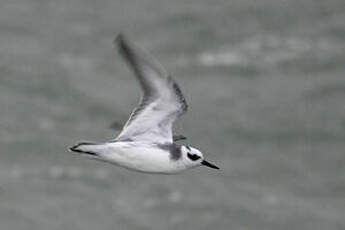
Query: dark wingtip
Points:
[120, 41]
[124, 47]
[118, 38]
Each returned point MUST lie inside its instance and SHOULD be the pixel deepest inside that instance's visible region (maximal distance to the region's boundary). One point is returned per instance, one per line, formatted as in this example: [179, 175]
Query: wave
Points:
[269, 50]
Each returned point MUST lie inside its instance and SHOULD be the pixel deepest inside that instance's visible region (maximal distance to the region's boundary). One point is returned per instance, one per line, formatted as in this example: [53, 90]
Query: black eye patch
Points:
[193, 157]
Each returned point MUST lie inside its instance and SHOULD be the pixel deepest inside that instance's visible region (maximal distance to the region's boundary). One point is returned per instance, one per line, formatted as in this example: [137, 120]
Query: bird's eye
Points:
[193, 157]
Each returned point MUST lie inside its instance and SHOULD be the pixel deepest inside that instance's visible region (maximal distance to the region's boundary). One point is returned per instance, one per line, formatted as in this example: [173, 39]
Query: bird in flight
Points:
[146, 142]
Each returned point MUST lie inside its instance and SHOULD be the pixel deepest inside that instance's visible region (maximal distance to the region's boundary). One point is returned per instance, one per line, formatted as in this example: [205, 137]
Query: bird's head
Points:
[193, 157]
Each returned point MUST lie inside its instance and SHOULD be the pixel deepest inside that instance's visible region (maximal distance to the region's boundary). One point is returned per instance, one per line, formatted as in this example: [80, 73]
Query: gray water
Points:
[265, 83]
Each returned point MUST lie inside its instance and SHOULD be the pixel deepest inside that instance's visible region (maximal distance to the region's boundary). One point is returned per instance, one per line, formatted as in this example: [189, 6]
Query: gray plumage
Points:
[162, 101]
[173, 149]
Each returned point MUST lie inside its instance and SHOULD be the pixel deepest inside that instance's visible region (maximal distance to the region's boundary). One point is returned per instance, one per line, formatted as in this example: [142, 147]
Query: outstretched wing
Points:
[162, 101]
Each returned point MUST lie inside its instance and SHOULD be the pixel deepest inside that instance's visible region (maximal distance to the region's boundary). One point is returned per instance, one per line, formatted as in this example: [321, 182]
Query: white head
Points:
[193, 157]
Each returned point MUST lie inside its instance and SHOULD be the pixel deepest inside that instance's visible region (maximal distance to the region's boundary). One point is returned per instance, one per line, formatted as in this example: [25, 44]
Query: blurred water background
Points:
[265, 82]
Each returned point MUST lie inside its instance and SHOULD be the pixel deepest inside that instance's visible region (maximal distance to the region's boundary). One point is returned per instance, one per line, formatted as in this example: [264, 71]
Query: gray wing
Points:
[162, 101]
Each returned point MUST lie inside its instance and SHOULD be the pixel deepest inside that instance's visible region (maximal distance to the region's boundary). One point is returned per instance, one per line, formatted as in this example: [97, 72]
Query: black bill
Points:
[208, 164]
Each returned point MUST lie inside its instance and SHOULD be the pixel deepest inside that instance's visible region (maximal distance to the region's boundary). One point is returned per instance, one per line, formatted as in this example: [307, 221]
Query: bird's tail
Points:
[86, 148]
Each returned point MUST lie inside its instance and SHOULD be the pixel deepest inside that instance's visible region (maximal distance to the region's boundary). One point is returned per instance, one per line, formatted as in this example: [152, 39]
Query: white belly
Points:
[141, 157]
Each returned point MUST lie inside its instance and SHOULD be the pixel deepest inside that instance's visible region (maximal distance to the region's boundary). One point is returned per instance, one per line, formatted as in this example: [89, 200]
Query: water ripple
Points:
[269, 50]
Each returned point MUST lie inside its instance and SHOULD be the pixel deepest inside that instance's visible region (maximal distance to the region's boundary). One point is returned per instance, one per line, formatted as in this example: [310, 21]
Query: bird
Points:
[146, 142]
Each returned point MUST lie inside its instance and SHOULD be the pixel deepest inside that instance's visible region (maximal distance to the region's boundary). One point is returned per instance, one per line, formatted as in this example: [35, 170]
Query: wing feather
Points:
[162, 101]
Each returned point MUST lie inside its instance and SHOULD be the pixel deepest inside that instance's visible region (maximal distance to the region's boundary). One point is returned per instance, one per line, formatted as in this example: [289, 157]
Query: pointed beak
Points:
[208, 164]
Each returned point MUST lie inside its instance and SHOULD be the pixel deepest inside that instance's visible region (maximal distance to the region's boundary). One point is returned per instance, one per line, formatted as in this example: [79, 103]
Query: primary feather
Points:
[162, 101]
